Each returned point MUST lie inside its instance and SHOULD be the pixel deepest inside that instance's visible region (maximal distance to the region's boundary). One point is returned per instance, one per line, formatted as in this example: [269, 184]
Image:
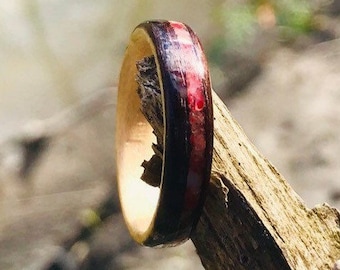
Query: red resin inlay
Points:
[193, 76]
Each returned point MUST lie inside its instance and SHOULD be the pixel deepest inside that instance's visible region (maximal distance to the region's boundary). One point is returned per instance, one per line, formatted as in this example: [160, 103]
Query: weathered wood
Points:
[149, 93]
[252, 218]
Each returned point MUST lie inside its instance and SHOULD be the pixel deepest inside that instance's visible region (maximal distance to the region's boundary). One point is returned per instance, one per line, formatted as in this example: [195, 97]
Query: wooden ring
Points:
[165, 215]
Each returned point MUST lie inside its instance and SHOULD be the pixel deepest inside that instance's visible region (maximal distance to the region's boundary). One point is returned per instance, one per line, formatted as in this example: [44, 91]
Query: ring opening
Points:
[134, 138]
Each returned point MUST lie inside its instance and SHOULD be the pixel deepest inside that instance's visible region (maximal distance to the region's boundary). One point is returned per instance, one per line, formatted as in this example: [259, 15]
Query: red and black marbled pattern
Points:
[188, 129]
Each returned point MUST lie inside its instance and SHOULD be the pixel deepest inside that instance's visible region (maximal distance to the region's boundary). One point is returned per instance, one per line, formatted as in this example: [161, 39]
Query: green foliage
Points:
[216, 50]
[237, 25]
[240, 20]
[89, 218]
[296, 15]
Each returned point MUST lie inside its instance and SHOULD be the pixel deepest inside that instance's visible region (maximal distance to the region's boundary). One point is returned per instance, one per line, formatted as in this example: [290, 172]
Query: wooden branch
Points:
[252, 218]
[151, 106]
[34, 137]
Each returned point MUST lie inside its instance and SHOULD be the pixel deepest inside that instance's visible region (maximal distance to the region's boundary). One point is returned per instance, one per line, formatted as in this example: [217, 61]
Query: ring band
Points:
[165, 215]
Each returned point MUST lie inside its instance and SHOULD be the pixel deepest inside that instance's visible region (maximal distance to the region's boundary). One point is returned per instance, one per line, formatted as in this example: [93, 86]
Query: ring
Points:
[165, 73]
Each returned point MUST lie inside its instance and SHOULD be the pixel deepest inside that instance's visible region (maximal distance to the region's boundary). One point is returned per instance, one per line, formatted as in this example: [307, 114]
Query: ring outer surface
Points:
[188, 135]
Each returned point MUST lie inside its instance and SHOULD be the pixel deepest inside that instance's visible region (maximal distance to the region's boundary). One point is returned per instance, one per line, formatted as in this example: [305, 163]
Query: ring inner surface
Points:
[134, 138]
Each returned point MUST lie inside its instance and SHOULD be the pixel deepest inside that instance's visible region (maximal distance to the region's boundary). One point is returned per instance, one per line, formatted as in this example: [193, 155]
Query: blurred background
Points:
[276, 64]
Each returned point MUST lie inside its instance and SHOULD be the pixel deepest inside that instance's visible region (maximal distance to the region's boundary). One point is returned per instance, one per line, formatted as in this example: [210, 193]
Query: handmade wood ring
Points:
[165, 215]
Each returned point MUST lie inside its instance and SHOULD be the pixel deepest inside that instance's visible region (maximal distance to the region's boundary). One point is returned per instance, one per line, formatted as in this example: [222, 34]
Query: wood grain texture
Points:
[252, 218]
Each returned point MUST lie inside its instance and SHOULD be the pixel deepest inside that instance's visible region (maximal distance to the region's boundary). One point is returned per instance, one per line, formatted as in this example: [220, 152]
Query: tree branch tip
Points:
[326, 212]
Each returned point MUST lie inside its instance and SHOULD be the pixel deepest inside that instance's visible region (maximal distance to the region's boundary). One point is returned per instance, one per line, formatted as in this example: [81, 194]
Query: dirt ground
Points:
[288, 106]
